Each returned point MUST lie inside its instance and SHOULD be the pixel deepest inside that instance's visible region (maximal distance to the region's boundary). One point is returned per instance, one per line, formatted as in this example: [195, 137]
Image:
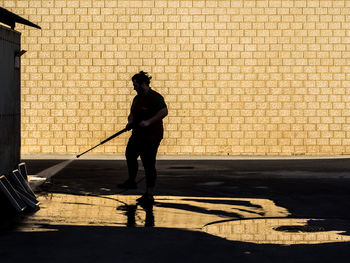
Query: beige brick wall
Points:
[252, 77]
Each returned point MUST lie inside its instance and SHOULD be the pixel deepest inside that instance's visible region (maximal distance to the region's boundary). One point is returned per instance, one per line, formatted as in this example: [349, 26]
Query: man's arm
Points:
[161, 114]
[130, 122]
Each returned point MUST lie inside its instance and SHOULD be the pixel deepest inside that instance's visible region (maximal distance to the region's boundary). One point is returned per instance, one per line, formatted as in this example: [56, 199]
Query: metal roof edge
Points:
[10, 19]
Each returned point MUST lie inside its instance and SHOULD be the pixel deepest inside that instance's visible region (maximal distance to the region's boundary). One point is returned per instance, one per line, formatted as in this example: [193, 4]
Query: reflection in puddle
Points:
[286, 231]
[237, 219]
[130, 213]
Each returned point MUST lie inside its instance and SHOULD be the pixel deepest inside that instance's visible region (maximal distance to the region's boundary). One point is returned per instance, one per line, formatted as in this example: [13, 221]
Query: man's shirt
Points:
[145, 107]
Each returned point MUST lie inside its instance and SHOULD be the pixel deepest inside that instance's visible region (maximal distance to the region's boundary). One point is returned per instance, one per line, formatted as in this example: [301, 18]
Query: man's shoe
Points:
[128, 185]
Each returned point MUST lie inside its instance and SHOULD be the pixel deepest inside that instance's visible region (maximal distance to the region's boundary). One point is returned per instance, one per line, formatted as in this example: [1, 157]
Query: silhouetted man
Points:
[145, 119]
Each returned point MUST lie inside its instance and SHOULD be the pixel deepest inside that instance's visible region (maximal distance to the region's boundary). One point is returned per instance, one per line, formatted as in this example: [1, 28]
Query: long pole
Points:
[104, 141]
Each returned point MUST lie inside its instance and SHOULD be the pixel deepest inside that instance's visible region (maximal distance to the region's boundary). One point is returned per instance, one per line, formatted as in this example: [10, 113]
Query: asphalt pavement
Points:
[206, 211]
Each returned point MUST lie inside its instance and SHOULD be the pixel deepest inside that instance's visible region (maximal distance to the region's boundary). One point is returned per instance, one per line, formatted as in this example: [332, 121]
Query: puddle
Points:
[34, 178]
[286, 231]
[170, 212]
[238, 219]
[300, 229]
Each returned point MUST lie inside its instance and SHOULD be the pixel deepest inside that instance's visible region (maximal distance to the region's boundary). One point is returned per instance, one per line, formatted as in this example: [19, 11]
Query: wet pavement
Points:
[205, 211]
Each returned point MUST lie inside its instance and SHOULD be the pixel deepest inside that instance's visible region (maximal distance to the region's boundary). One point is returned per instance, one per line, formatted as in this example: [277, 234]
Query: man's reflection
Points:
[130, 212]
[149, 221]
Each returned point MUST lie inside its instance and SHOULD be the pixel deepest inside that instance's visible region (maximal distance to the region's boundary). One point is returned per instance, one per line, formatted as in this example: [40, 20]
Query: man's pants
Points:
[148, 151]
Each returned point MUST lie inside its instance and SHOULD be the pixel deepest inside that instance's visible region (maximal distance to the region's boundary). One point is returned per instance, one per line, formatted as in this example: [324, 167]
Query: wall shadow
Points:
[57, 243]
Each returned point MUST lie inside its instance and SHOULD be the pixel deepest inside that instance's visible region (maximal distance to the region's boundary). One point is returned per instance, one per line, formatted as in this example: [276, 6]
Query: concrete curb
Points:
[181, 157]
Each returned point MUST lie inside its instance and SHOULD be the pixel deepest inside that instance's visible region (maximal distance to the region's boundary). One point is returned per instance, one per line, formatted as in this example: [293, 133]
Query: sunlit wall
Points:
[262, 77]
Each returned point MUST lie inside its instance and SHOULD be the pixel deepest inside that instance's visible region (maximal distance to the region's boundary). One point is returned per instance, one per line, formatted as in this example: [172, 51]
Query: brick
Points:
[232, 64]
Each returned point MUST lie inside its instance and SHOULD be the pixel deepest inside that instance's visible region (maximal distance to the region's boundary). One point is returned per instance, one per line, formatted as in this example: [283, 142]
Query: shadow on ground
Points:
[313, 198]
[116, 244]
[302, 196]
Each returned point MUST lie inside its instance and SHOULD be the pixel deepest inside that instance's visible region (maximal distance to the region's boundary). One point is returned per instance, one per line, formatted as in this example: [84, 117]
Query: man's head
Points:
[142, 77]
[141, 82]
